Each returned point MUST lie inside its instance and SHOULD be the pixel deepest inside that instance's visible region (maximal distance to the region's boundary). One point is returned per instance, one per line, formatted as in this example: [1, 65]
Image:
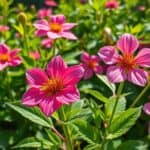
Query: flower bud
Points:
[22, 18]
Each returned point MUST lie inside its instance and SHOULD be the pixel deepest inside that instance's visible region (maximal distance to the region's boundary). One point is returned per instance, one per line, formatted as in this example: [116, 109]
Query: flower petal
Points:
[56, 67]
[41, 33]
[73, 74]
[88, 73]
[143, 57]
[49, 105]
[116, 74]
[58, 19]
[98, 69]
[68, 35]
[146, 108]
[3, 66]
[68, 95]
[85, 57]
[3, 48]
[36, 77]
[138, 77]
[15, 61]
[127, 43]
[68, 26]
[108, 54]
[42, 25]
[32, 97]
[53, 35]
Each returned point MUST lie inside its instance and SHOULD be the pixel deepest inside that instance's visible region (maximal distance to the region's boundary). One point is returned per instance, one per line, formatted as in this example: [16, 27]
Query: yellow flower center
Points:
[127, 61]
[55, 27]
[4, 57]
[52, 86]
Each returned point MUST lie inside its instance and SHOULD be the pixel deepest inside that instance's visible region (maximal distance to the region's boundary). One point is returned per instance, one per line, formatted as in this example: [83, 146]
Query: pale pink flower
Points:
[112, 4]
[43, 13]
[124, 64]
[47, 43]
[55, 28]
[90, 64]
[34, 55]
[50, 3]
[53, 87]
[3, 28]
[146, 108]
[8, 57]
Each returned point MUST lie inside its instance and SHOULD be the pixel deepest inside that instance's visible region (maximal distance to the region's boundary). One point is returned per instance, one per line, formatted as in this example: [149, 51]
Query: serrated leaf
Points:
[87, 132]
[32, 142]
[122, 123]
[105, 80]
[97, 95]
[133, 145]
[32, 114]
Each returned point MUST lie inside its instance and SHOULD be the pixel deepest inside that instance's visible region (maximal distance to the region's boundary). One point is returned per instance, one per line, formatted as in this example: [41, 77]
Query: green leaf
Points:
[87, 132]
[133, 145]
[97, 95]
[32, 114]
[32, 142]
[105, 80]
[122, 123]
[119, 109]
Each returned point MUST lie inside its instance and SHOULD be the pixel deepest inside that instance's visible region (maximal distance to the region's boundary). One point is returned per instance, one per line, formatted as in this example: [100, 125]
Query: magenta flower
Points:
[55, 28]
[50, 3]
[146, 108]
[90, 64]
[112, 4]
[54, 87]
[43, 13]
[124, 64]
[8, 58]
[47, 43]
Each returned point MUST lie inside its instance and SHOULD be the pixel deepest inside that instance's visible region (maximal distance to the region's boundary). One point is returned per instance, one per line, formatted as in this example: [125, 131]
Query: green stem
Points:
[62, 116]
[120, 88]
[140, 95]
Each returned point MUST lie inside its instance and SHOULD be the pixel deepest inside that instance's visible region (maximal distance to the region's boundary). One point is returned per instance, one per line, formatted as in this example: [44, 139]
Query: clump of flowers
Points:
[8, 57]
[124, 64]
[54, 87]
[112, 4]
[55, 28]
[90, 64]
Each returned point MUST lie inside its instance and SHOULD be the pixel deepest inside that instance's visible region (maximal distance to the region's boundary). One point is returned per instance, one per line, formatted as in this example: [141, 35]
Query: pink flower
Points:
[146, 108]
[47, 43]
[50, 3]
[43, 13]
[124, 64]
[53, 87]
[3, 28]
[112, 4]
[8, 58]
[34, 55]
[91, 65]
[56, 28]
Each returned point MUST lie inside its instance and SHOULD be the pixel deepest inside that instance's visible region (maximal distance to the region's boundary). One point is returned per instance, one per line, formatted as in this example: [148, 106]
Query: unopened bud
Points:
[22, 18]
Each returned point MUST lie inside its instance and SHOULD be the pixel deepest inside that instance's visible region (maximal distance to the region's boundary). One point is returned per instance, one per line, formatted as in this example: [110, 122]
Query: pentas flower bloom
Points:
[47, 43]
[50, 3]
[43, 13]
[8, 58]
[146, 108]
[90, 64]
[52, 88]
[112, 4]
[55, 28]
[124, 64]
